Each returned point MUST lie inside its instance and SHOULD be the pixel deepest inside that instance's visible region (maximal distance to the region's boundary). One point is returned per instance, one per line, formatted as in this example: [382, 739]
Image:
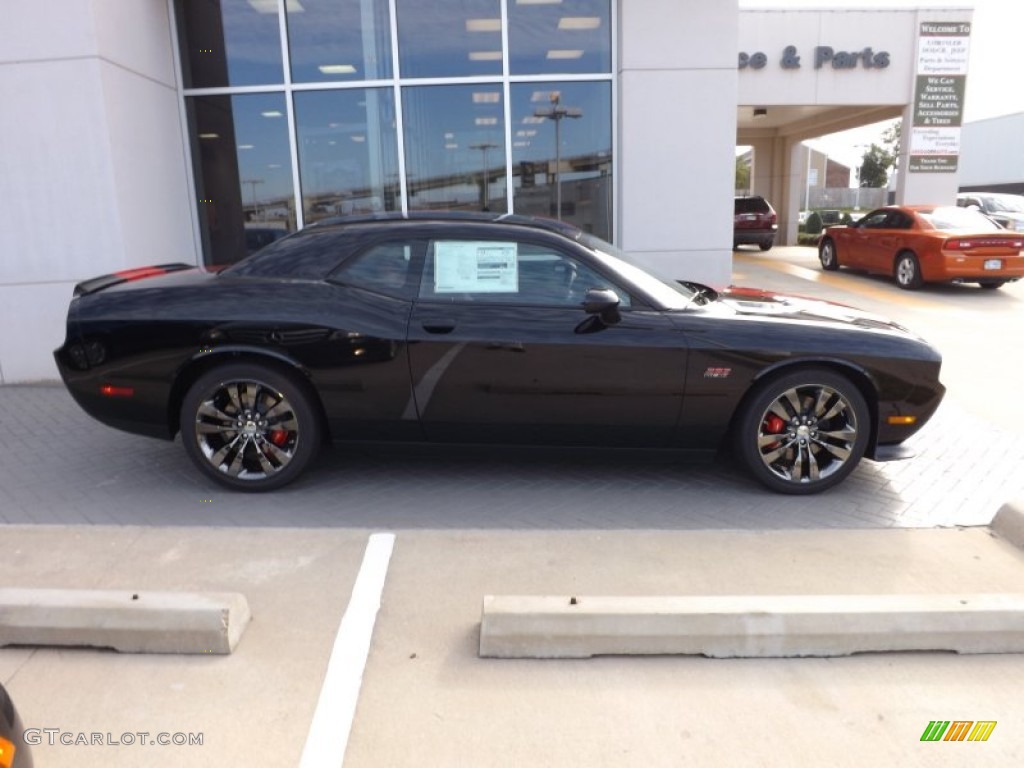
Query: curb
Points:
[1008, 524]
[765, 626]
[142, 622]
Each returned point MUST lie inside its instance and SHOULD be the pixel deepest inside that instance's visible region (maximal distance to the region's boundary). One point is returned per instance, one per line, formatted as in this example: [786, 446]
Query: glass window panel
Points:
[560, 37]
[243, 173]
[344, 40]
[388, 268]
[455, 147]
[515, 273]
[229, 42]
[577, 172]
[449, 38]
[348, 153]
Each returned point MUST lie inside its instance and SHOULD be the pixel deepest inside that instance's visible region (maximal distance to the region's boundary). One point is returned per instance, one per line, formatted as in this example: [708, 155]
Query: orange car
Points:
[926, 243]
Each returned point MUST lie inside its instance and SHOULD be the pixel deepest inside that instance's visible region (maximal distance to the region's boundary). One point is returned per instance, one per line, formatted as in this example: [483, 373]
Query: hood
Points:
[757, 302]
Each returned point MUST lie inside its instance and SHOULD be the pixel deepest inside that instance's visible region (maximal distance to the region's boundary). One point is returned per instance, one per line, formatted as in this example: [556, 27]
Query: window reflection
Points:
[348, 155]
[243, 173]
[449, 38]
[229, 42]
[560, 37]
[577, 171]
[343, 41]
[455, 147]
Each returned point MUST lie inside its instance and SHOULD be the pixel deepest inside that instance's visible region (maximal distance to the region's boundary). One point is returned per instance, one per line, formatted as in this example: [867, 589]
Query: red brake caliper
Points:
[279, 437]
[773, 425]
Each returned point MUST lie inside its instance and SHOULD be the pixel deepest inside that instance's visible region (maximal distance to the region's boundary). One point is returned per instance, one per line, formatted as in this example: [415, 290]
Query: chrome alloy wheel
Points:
[827, 256]
[247, 429]
[807, 433]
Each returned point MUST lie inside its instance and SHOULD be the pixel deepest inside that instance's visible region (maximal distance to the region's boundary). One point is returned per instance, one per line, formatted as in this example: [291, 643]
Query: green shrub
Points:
[804, 239]
[813, 225]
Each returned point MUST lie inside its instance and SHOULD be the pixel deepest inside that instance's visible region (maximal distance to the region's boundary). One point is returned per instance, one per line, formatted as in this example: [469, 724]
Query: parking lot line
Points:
[336, 707]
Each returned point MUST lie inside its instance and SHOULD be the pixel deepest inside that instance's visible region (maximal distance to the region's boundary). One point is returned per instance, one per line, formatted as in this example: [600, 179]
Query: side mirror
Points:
[604, 303]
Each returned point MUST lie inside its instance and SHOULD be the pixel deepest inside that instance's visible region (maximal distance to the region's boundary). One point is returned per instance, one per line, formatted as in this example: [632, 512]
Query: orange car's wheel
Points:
[992, 285]
[827, 255]
[908, 271]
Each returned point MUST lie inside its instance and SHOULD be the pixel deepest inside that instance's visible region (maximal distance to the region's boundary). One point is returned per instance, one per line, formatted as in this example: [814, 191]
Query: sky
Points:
[993, 85]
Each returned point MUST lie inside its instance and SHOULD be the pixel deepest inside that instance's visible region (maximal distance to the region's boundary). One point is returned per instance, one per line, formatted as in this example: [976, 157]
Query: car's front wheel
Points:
[908, 272]
[249, 426]
[803, 432]
[827, 255]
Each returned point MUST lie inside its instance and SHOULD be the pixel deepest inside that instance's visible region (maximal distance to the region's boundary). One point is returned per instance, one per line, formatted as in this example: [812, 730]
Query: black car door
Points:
[363, 377]
[500, 350]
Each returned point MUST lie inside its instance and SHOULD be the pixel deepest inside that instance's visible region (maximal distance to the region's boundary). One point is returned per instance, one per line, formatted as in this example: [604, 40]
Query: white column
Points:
[677, 135]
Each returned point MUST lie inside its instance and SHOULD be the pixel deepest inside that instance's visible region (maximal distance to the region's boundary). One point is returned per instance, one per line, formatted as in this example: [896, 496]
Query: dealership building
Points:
[159, 131]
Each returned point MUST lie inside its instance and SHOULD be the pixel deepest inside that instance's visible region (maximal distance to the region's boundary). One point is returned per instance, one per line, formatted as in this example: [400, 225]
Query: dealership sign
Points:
[939, 88]
[823, 56]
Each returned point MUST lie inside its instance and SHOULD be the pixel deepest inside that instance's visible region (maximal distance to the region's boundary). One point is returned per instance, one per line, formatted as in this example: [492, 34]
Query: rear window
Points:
[953, 218]
[751, 205]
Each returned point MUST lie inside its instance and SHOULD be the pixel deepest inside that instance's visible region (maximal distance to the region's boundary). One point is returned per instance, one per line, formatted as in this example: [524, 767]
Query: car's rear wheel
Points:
[991, 285]
[249, 426]
[804, 431]
[908, 272]
[827, 256]
[766, 245]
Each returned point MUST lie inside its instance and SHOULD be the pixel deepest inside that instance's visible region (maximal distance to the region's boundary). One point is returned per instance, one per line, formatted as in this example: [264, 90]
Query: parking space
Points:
[426, 697]
[257, 702]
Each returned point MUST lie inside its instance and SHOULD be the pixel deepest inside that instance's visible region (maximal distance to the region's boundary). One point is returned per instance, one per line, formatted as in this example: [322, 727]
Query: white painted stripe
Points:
[336, 709]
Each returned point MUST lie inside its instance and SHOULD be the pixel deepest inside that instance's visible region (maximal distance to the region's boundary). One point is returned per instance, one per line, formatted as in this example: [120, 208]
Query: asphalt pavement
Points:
[82, 505]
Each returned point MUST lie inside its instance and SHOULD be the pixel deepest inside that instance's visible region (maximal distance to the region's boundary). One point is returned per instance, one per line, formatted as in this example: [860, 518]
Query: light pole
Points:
[255, 208]
[484, 146]
[558, 113]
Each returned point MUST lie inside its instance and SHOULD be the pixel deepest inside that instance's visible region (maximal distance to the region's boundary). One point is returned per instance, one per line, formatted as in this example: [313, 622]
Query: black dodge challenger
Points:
[485, 328]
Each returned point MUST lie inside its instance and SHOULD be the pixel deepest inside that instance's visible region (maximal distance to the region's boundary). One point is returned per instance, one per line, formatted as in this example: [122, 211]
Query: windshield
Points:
[667, 292]
[1007, 204]
[952, 218]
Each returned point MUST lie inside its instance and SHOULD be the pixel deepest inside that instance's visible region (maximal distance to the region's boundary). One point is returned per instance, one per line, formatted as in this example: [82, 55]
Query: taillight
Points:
[967, 243]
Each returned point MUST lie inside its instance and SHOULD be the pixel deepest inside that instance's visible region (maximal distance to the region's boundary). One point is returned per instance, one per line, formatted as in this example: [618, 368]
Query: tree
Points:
[743, 172]
[875, 165]
[877, 160]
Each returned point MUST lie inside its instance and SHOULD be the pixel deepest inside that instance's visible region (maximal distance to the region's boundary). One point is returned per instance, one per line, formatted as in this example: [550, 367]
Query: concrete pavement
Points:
[428, 699]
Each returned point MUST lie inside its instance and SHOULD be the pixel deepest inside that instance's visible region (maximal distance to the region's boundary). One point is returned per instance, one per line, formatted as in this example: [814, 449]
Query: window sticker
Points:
[475, 267]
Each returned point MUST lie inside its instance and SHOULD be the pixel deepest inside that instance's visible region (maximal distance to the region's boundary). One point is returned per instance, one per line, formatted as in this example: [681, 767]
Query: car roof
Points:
[422, 217]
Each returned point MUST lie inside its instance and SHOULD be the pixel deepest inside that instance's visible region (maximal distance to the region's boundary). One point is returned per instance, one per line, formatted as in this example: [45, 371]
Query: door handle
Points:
[438, 325]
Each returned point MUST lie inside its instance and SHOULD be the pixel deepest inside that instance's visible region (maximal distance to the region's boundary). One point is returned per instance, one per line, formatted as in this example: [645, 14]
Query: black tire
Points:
[249, 426]
[993, 284]
[766, 245]
[907, 271]
[803, 432]
[827, 255]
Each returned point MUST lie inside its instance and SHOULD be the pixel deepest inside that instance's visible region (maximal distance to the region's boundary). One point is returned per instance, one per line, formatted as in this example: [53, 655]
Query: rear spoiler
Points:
[127, 275]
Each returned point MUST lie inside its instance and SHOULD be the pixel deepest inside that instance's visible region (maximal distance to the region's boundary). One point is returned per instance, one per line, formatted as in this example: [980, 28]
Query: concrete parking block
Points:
[129, 622]
[750, 626]
[1008, 523]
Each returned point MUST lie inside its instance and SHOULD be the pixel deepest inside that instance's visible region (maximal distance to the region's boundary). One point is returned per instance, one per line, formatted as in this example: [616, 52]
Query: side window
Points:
[900, 220]
[387, 268]
[876, 220]
[507, 272]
